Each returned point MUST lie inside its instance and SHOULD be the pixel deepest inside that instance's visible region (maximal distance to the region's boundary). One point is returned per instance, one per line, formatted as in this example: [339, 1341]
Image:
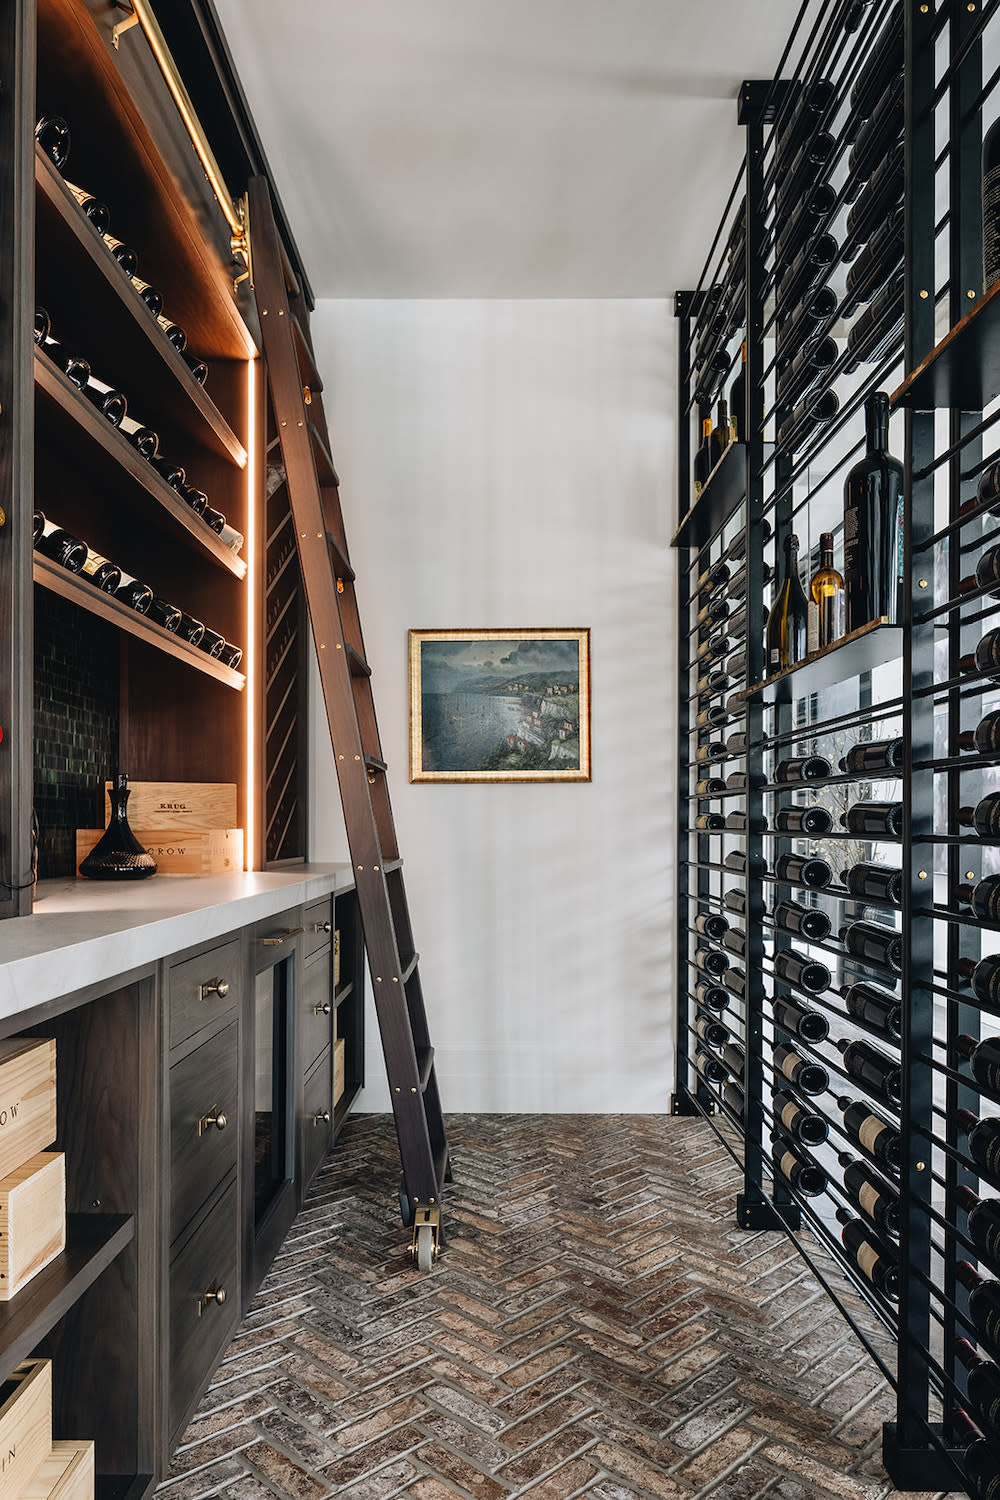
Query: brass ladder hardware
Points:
[215, 1294]
[219, 1120]
[276, 942]
[218, 987]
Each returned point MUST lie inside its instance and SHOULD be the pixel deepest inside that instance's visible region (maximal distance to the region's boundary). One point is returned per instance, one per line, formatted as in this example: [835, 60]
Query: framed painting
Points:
[499, 705]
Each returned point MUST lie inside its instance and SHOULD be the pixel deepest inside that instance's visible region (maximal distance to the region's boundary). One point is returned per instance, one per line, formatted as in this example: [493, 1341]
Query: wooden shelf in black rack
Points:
[963, 369]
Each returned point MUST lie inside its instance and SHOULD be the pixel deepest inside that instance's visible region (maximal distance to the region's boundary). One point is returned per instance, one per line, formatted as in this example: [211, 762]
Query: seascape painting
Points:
[499, 705]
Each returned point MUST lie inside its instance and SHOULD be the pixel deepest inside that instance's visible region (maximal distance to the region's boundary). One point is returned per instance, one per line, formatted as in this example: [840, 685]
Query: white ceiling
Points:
[526, 148]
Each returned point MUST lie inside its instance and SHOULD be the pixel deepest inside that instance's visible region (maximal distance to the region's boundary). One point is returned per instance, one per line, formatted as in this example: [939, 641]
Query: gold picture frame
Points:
[500, 705]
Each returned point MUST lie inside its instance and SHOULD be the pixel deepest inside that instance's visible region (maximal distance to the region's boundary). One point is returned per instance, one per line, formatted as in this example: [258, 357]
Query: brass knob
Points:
[218, 987]
[219, 1295]
[322, 926]
[219, 1120]
[322, 1010]
[322, 1116]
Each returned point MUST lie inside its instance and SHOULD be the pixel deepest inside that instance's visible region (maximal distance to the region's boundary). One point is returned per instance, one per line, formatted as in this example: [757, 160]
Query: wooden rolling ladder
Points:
[328, 580]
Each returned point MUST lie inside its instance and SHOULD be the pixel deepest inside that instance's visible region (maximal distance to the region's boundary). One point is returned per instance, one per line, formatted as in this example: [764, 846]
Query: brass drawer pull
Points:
[216, 1294]
[322, 927]
[321, 1117]
[219, 1120]
[322, 1010]
[276, 942]
[218, 987]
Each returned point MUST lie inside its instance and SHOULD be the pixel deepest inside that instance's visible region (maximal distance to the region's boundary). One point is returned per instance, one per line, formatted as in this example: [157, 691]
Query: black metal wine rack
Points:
[849, 259]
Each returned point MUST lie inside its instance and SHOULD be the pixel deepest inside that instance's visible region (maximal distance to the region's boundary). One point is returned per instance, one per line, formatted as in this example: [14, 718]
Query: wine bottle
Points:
[801, 227]
[873, 1259]
[808, 1077]
[874, 820]
[710, 961]
[802, 768]
[882, 129]
[874, 882]
[983, 898]
[804, 371]
[53, 135]
[734, 1059]
[737, 821]
[75, 369]
[795, 820]
[741, 781]
[797, 869]
[813, 101]
[874, 944]
[809, 268]
[798, 1020]
[37, 526]
[816, 410]
[983, 1391]
[879, 325]
[138, 596]
[43, 325]
[870, 1193]
[801, 1124]
[711, 717]
[736, 901]
[738, 586]
[709, 1067]
[711, 750]
[875, 1136]
[984, 1304]
[709, 371]
[711, 996]
[809, 319]
[144, 439]
[709, 822]
[720, 438]
[62, 547]
[123, 254]
[736, 744]
[983, 1224]
[787, 622]
[988, 572]
[211, 642]
[984, 817]
[93, 209]
[806, 973]
[702, 465]
[103, 574]
[197, 366]
[713, 612]
[736, 625]
[190, 629]
[150, 296]
[162, 613]
[826, 601]
[983, 1058]
[991, 205]
[710, 786]
[197, 499]
[875, 1008]
[709, 651]
[171, 472]
[808, 921]
[873, 492]
[805, 169]
[714, 578]
[109, 402]
[711, 924]
[873, 1070]
[736, 859]
[173, 332]
[738, 546]
[873, 267]
[873, 755]
[738, 398]
[713, 1033]
[984, 977]
[884, 62]
[875, 202]
[732, 1097]
[985, 738]
[711, 683]
[806, 1177]
[736, 666]
[736, 983]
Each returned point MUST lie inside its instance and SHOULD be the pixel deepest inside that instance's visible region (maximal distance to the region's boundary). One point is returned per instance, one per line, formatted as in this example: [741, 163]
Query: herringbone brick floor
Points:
[596, 1327]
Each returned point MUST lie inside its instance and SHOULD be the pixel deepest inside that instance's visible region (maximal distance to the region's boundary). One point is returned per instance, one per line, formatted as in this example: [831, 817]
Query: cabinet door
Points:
[315, 1012]
[204, 1124]
[204, 1305]
[315, 1119]
[203, 989]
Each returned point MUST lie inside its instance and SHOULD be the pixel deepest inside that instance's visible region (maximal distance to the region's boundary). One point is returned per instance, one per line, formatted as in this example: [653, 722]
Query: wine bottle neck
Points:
[966, 1120]
[968, 1275]
[965, 1046]
[877, 423]
[966, 1198]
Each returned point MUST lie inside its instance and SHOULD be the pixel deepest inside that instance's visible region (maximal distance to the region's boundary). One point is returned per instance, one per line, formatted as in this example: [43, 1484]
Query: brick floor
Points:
[597, 1327]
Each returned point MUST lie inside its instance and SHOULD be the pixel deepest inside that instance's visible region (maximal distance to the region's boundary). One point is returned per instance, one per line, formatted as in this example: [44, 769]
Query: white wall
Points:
[510, 464]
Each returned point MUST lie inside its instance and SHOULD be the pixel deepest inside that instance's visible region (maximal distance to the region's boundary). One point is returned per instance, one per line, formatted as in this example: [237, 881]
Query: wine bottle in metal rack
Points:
[788, 620]
[62, 546]
[98, 213]
[736, 666]
[713, 578]
[736, 901]
[109, 402]
[738, 546]
[102, 573]
[805, 370]
[984, 1305]
[985, 738]
[711, 962]
[815, 411]
[985, 658]
[883, 128]
[873, 1259]
[871, 756]
[873, 944]
[983, 898]
[983, 1224]
[807, 973]
[713, 612]
[138, 596]
[801, 1124]
[711, 683]
[711, 1032]
[983, 1058]
[805, 870]
[984, 1142]
[870, 1193]
[735, 941]
[804, 323]
[807, 1076]
[875, 1008]
[711, 996]
[986, 576]
[736, 983]
[878, 260]
[733, 1098]
[149, 294]
[710, 786]
[802, 768]
[711, 717]
[801, 226]
[738, 820]
[873, 496]
[983, 1393]
[806, 921]
[123, 254]
[806, 1177]
[53, 135]
[874, 820]
[874, 882]
[872, 206]
[144, 439]
[798, 820]
[161, 612]
[880, 1075]
[711, 650]
[709, 822]
[879, 324]
[798, 1020]
[709, 1067]
[711, 924]
[991, 205]
[734, 1059]
[876, 1136]
[711, 750]
[738, 586]
[984, 976]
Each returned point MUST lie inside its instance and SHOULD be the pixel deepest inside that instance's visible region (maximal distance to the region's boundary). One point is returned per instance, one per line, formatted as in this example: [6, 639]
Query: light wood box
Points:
[27, 1099]
[32, 1219]
[339, 1050]
[190, 851]
[336, 957]
[178, 804]
[67, 1474]
[25, 1424]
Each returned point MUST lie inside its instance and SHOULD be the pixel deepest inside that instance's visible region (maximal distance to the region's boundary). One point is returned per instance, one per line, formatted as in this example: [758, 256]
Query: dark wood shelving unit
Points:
[872, 646]
[963, 369]
[70, 586]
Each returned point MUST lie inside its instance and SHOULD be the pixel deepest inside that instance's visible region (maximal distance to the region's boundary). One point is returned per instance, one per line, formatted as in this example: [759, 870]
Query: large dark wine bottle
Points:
[872, 756]
[983, 898]
[984, 1224]
[880, 1075]
[874, 944]
[161, 612]
[786, 637]
[798, 869]
[984, 1143]
[876, 1136]
[984, 1305]
[802, 768]
[138, 596]
[985, 738]
[798, 1020]
[873, 494]
[984, 977]
[874, 882]
[808, 973]
[874, 820]
[875, 1008]
[983, 1058]
[806, 921]
[873, 1259]
[799, 820]
[807, 1076]
[870, 1193]
[991, 205]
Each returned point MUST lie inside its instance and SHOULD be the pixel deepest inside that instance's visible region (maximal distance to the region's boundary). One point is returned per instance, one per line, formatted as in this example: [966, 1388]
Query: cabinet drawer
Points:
[203, 1088]
[203, 988]
[316, 1013]
[314, 1130]
[317, 915]
[201, 1325]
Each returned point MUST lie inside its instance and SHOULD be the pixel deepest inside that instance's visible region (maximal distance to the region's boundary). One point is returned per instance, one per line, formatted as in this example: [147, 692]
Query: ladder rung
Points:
[308, 372]
[388, 865]
[425, 1064]
[408, 971]
[274, 443]
[342, 567]
[374, 764]
[324, 463]
[288, 271]
[359, 667]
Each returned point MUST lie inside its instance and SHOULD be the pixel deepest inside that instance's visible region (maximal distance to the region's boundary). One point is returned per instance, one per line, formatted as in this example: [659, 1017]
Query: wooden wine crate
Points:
[336, 957]
[25, 1424]
[339, 1052]
[190, 851]
[27, 1099]
[178, 804]
[67, 1474]
[32, 1219]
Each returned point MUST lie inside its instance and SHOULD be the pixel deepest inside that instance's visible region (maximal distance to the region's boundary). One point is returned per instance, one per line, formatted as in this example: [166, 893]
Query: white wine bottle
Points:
[788, 622]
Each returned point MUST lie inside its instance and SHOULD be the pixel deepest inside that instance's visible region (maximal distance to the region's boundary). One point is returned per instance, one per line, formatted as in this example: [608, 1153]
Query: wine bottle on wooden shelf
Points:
[143, 439]
[138, 596]
[874, 882]
[211, 642]
[197, 366]
[64, 548]
[876, 1136]
[880, 1075]
[807, 1076]
[874, 944]
[97, 213]
[123, 254]
[875, 1008]
[165, 614]
[104, 575]
[197, 499]
[870, 1193]
[873, 493]
[149, 295]
[43, 325]
[807, 921]
[213, 519]
[53, 135]
[109, 402]
[873, 1259]
[173, 332]
[826, 600]
[190, 629]
[871, 756]
[75, 369]
[172, 473]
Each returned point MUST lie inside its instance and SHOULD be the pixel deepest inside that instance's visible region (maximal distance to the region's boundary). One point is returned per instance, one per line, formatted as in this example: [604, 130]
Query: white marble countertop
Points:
[84, 932]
